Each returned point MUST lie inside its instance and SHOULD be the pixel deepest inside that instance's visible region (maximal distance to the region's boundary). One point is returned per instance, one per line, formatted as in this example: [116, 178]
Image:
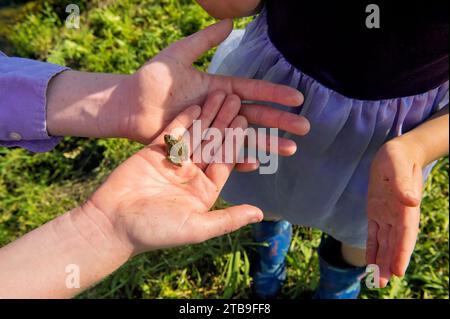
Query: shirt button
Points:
[14, 136]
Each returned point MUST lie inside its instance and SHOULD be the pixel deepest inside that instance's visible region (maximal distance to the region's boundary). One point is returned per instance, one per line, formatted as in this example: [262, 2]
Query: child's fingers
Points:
[179, 126]
[264, 142]
[372, 243]
[383, 257]
[209, 112]
[406, 237]
[219, 171]
[404, 183]
[249, 164]
[228, 112]
[218, 223]
[267, 116]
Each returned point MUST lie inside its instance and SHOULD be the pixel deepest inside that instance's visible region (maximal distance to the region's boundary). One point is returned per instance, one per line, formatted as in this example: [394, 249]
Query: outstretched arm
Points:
[147, 203]
[228, 9]
[138, 106]
[41, 100]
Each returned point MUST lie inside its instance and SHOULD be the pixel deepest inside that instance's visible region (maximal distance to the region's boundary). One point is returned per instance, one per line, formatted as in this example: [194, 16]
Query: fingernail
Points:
[300, 99]
[296, 98]
[256, 219]
[302, 126]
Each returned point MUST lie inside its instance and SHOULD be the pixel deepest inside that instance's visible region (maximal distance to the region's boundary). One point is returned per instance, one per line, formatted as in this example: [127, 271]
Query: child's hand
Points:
[395, 191]
[152, 203]
[149, 202]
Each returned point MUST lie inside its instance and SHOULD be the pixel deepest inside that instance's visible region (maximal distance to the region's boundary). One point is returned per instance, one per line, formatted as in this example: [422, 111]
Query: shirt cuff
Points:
[23, 102]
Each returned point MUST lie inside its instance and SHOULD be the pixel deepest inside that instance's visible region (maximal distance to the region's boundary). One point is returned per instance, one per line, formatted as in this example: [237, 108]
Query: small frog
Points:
[177, 151]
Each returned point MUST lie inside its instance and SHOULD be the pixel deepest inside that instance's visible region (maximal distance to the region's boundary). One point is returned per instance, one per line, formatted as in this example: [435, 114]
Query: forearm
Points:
[44, 263]
[431, 139]
[80, 104]
[227, 9]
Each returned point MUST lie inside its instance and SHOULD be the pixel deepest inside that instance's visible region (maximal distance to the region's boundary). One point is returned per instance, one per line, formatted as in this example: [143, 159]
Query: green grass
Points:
[118, 36]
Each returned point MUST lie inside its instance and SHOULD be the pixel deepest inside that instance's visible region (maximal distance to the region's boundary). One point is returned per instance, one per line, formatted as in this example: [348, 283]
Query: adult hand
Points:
[139, 106]
[147, 203]
[395, 192]
[157, 204]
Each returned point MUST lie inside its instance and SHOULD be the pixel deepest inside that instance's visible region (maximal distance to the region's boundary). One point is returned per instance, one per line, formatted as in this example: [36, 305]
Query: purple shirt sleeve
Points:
[23, 89]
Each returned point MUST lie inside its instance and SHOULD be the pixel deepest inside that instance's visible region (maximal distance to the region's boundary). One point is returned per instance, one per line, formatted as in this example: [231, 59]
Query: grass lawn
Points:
[119, 36]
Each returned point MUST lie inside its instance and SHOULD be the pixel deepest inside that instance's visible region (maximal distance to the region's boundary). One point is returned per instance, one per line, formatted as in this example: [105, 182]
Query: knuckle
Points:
[218, 94]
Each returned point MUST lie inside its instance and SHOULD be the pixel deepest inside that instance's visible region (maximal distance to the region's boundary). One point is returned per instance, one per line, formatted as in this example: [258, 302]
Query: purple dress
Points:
[325, 184]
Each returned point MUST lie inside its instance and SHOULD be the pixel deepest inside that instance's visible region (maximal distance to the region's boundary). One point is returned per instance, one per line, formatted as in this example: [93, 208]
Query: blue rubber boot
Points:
[338, 280]
[270, 272]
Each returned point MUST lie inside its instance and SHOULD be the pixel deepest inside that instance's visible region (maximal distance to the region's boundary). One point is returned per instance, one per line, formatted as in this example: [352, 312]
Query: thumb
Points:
[189, 49]
[407, 185]
[220, 222]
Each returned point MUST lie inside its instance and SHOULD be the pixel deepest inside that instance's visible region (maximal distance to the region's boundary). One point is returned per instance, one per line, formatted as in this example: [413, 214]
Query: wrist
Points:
[430, 140]
[99, 230]
[411, 147]
[116, 111]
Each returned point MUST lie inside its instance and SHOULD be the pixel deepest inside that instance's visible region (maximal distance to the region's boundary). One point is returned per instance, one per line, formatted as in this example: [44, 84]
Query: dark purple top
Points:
[330, 41]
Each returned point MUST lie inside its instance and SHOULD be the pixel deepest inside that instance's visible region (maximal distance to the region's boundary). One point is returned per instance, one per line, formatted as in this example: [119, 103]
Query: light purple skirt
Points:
[325, 184]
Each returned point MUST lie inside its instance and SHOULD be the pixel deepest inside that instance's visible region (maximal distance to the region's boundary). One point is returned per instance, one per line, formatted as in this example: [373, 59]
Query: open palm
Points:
[158, 204]
[169, 83]
[395, 189]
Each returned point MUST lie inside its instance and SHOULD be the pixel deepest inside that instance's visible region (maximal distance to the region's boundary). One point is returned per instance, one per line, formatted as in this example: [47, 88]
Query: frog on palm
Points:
[177, 149]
